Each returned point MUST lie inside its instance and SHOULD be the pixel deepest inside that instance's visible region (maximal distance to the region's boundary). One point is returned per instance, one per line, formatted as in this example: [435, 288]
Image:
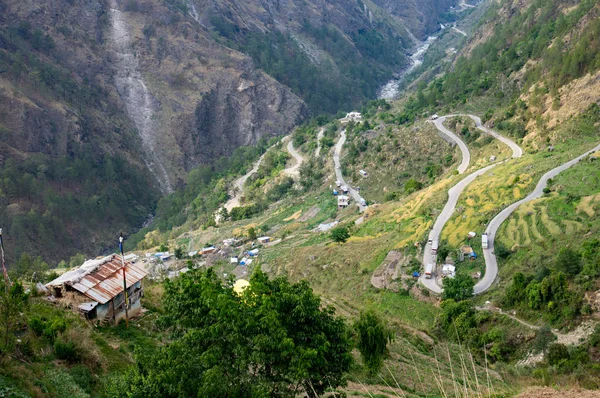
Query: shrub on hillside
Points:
[340, 234]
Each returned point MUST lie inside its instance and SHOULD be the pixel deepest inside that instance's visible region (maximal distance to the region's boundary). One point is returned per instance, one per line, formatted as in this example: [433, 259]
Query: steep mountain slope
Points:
[138, 84]
[334, 54]
[157, 88]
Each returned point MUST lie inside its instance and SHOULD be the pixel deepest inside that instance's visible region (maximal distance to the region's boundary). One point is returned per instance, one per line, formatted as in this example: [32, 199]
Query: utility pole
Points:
[6, 278]
[124, 281]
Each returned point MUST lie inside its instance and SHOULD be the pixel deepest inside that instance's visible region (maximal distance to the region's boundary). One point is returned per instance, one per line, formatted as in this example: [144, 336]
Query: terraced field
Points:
[568, 211]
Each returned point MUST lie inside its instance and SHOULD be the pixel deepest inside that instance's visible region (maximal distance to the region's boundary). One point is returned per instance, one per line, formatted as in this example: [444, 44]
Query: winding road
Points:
[238, 185]
[338, 171]
[293, 171]
[455, 192]
[491, 264]
[319, 137]
[466, 155]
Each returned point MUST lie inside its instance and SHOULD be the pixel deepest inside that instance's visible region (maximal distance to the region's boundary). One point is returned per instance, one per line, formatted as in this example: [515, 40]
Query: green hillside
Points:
[336, 304]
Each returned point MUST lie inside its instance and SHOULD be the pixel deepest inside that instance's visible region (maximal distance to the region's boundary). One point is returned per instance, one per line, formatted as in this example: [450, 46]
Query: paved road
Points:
[517, 151]
[455, 192]
[491, 264]
[447, 211]
[338, 170]
[293, 171]
[466, 155]
[319, 136]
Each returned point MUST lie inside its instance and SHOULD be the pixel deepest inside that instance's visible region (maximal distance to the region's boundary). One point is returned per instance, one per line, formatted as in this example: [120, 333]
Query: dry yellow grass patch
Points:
[517, 193]
[571, 226]
[552, 227]
[363, 238]
[294, 216]
[589, 204]
[242, 231]
[524, 230]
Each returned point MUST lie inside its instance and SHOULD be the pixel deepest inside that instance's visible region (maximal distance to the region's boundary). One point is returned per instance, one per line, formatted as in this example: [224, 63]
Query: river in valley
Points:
[390, 90]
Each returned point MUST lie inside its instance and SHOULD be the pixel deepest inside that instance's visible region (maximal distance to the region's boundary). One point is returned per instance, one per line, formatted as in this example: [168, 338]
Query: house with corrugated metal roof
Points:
[96, 289]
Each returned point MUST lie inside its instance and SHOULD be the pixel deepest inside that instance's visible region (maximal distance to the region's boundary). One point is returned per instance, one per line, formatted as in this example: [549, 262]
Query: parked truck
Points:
[484, 240]
[434, 246]
[429, 271]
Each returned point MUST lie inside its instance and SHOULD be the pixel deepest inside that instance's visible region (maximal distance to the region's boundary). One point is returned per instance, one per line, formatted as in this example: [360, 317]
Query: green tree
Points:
[458, 288]
[340, 234]
[179, 252]
[412, 185]
[251, 233]
[13, 301]
[76, 260]
[275, 340]
[568, 261]
[373, 338]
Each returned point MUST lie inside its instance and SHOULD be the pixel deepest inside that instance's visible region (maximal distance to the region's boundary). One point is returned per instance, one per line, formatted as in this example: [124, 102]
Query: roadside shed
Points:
[96, 288]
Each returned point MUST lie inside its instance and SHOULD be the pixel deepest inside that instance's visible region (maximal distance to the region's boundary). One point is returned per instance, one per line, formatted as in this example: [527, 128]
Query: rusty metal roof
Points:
[101, 280]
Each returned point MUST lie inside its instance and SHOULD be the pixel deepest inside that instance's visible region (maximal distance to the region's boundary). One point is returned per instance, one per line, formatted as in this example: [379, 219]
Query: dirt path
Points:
[462, 32]
[319, 137]
[574, 337]
[293, 171]
[238, 186]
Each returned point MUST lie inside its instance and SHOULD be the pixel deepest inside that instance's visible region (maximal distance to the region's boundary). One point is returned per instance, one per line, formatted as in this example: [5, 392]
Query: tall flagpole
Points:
[6, 278]
[124, 281]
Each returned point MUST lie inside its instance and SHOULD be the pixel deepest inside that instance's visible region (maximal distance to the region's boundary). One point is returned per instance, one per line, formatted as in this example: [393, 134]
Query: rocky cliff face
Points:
[156, 87]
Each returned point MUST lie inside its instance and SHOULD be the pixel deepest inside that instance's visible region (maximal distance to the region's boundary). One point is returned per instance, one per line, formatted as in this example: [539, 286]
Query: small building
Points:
[233, 260]
[363, 173]
[208, 250]
[335, 192]
[492, 158]
[344, 189]
[192, 253]
[131, 257]
[434, 116]
[231, 242]
[253, 252]
[343, 201]
[354, 116]
[96, 288]
[264, 239]
[448, 271]
[338, 183]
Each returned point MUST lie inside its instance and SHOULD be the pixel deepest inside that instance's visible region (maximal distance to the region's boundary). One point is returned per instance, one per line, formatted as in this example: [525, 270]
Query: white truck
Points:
[428, 271]
[484, 240]
[434, 246]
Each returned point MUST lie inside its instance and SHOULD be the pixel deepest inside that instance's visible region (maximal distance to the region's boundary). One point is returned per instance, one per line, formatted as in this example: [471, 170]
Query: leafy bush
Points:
[339, 234]
[373, 337]
[66, 350]
[37, 326]
[64, 385]
[52, 329]
[458, 288]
